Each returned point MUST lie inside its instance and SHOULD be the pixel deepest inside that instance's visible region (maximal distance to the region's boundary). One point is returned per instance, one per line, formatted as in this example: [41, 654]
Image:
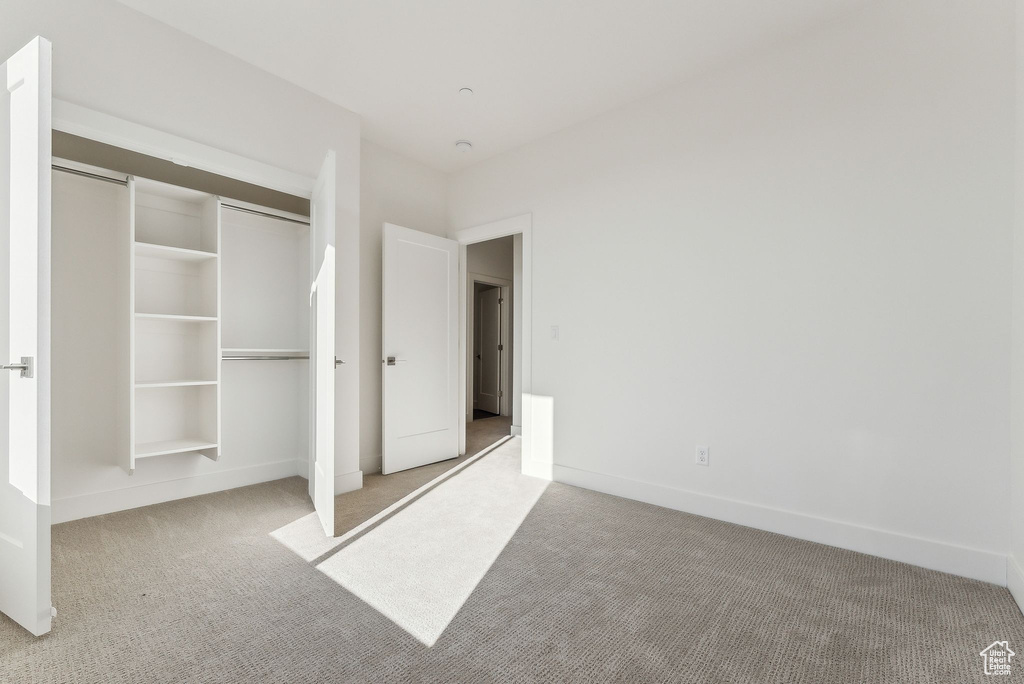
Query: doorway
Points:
[489, 331]
[532, 415]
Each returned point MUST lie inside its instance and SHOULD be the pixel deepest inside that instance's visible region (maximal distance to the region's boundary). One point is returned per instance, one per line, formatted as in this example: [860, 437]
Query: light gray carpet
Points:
[589, 588]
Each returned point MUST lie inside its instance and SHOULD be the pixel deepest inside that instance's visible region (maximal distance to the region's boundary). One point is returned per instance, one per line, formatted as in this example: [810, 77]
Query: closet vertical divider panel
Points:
[212, 217]
[126, 276]
[175, 309]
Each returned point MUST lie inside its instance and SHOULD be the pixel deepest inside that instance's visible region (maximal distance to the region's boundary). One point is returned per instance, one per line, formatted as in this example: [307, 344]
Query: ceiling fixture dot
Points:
[463, 146]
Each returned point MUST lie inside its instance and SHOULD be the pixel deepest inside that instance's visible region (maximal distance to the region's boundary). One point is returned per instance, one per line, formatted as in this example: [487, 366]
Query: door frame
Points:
[536, 414]
[506, 369]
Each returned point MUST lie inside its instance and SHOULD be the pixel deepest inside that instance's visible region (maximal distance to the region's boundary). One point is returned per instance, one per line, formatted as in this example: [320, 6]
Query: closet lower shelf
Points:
[172, 446]
[175, 317]
[263, 352]
[149, 249]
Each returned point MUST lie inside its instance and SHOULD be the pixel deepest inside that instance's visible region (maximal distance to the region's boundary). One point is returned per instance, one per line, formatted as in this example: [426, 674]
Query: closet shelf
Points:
[180, 383]
[176, 317]
[149, 249]
[265, 352]
[172, 446]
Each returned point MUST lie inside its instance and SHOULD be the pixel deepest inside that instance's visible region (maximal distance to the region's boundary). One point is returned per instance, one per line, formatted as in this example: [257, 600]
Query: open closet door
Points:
[25, 344]
[322, 357]
[488, 395]
[421, 349]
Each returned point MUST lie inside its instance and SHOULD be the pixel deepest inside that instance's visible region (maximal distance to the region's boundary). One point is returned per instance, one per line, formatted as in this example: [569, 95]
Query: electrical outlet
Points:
[703, 455]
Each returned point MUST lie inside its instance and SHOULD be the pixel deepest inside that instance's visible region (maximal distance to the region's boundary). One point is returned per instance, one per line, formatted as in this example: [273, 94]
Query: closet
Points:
[181, 332]
[157, 320]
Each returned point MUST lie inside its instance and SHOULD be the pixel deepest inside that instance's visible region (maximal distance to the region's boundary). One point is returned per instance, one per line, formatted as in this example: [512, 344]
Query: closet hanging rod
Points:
[263, 358]
[267, 214]
[86, 174]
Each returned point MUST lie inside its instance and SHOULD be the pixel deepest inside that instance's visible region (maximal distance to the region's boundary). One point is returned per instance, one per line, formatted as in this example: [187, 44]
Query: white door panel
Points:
[25, 445]
[489, 325]
[420, 334]
[322, 352]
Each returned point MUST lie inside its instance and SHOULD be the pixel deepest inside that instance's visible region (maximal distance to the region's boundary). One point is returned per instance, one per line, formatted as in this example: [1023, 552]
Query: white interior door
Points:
[420, 348]
[25, 412]
[488, 396]
[321, 354]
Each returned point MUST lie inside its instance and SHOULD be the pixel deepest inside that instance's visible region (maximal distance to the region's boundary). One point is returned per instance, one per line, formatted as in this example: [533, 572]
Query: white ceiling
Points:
[536, 66]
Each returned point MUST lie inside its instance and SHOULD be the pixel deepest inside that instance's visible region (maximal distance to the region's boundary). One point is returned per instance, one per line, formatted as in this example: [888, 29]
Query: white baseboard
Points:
[370, 464]
[349, 482]
[1015, 581]
[516, 431]
[540, 469]
[98, 503]
[979, 564]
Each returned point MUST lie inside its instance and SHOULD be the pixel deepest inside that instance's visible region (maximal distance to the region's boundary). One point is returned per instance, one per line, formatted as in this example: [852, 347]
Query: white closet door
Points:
[322, 357]
[489, 324]
[25, 415]
[421, 349]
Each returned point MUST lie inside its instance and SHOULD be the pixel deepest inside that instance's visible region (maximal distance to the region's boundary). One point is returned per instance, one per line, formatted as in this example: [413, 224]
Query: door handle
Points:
[337, 362]
[27, 367]
[391, 361]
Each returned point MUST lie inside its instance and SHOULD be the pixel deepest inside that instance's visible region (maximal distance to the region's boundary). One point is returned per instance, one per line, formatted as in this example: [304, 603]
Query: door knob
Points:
[337, 362]
[26, 367]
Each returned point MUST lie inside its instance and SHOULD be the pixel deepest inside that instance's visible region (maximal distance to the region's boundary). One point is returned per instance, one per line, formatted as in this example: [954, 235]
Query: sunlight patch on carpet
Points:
[420, 565]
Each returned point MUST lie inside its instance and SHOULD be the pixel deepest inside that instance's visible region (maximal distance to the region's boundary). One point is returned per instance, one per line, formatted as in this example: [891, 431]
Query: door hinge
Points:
[501, 347]
[500, 394]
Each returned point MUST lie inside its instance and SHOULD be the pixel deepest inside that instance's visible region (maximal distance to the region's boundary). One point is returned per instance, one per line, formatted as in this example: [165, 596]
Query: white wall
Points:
[115, 60]
[400, 191]
[1015, 563]
[493, 258]
[86, 444]
[803, 261]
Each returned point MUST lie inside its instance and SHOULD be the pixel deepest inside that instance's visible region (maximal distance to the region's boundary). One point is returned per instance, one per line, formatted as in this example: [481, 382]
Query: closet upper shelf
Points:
[175, 383]
[149, 249]
[175, 217]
